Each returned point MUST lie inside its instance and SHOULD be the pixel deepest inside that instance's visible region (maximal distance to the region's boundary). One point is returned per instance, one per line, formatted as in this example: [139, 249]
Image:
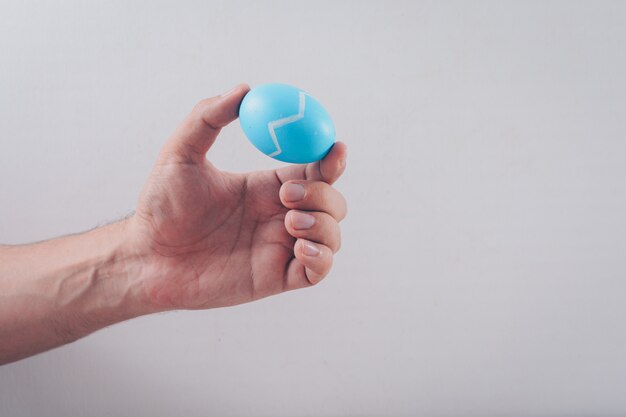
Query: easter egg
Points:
[286, 123]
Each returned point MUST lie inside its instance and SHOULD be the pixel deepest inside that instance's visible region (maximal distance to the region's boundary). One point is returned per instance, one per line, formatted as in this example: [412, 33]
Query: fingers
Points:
[314, 219]
[312, 263]
[329, 169]
[195, 135]
[313, 196]
[332, 166]
[306, 189]
[314, 226]
[317, 259]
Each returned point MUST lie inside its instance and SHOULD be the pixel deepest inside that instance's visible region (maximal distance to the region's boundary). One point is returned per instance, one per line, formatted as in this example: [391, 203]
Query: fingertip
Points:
[334, 163]
[218, 111]
[341, 148]
[232, 99]
[316, 258]
[239, 89]
[309, 249]
[342, 156]
[291, 193]
[317, 227]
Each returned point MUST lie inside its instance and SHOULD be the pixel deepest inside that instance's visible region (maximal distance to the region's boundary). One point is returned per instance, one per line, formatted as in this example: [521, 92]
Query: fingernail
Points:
[310, 249]
[229, 92]
[294, 192]
[302, 221]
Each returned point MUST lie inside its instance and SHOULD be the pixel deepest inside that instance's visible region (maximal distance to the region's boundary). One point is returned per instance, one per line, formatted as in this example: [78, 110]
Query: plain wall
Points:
[483, 269]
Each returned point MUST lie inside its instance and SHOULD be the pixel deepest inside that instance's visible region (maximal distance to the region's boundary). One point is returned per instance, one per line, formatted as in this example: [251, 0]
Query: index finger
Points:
[329, 169]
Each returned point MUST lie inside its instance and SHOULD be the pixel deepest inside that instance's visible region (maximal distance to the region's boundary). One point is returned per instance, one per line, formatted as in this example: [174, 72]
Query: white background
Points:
[483, 270]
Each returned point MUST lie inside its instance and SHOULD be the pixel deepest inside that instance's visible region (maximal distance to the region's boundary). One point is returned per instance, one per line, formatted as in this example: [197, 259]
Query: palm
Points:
[215, 231]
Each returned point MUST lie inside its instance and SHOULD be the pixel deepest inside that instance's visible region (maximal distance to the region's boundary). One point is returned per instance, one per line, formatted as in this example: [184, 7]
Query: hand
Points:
[200, 238]
[211, 238]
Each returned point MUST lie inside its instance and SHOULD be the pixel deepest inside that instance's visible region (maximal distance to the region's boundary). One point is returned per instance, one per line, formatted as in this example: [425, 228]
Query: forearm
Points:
[57, 291]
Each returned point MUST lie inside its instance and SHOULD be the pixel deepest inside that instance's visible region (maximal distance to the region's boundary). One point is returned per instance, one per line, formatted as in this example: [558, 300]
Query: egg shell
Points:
[286, 123]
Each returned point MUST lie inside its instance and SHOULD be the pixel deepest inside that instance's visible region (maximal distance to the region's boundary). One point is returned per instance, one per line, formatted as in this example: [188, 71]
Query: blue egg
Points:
[286, 123]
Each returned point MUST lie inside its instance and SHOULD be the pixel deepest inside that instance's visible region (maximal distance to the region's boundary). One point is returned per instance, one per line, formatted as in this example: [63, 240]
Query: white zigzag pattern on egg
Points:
[275, 124]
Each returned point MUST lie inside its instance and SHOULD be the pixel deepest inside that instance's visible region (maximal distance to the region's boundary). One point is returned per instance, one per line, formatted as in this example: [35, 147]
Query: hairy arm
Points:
[54, 292]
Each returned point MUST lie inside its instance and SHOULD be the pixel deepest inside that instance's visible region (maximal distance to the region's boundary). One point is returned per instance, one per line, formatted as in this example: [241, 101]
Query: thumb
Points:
[195, 135]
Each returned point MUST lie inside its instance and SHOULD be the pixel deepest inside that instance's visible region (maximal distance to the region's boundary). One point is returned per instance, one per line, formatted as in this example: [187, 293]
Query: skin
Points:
[200, 238]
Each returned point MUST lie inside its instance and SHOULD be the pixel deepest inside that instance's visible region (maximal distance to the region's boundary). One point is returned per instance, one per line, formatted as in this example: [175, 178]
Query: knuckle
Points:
[314, 278]
[202, 105]
[332, 233]
[337, 244]
[344, 207]
[322, 194]
[329, 264]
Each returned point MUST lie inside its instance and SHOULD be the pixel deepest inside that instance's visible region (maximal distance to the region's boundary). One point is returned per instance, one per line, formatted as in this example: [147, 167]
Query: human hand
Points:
[210, 238]
[200, 238]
